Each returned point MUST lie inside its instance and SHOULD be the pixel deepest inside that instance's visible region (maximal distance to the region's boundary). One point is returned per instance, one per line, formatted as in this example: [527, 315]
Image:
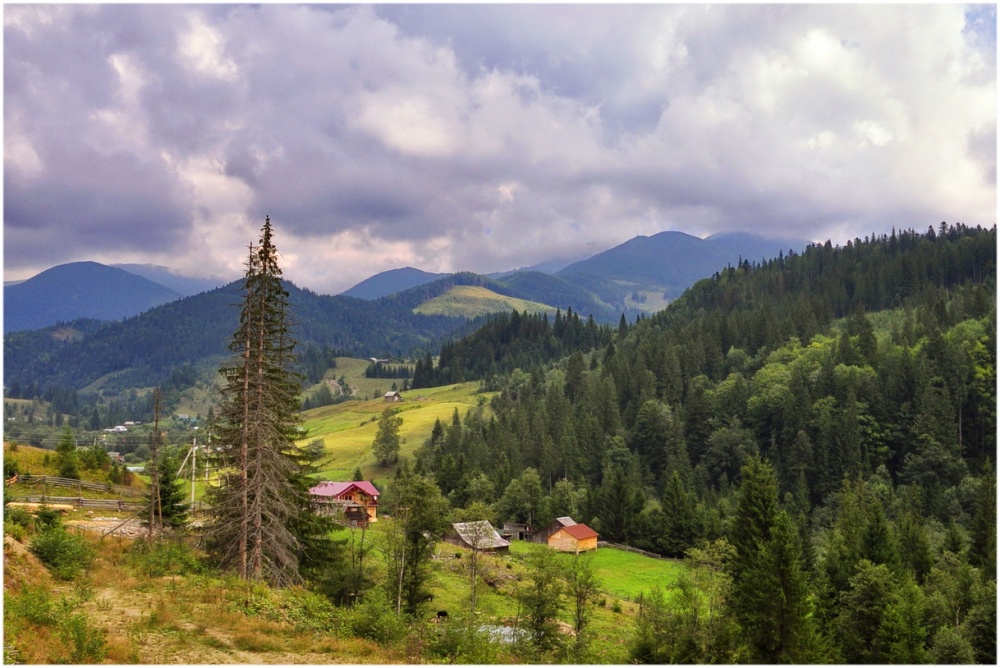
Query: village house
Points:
[479, 535]
[542, 535]
[356, 502]
[392, 395]
[565, 535]
[575, 538]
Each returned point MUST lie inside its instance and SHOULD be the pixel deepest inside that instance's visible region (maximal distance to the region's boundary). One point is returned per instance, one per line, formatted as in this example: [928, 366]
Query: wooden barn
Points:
[355, 502]
[542, 535]
[573, 538]
[480, 535]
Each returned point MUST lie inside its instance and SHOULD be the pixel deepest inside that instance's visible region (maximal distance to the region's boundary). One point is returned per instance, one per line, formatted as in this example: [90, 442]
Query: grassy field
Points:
[352, 370]
[622, 576]
[467, 301]
[348, 429]
[163, 608]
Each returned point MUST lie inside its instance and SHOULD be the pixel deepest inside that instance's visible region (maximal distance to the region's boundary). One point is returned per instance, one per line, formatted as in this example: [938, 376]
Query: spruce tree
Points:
[172, 511]
[769, 585]
[261, 517]
[66, 457]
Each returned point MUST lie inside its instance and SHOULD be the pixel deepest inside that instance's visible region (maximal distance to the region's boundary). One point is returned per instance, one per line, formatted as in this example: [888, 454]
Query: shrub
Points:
[33, 604]
[15, 531]
[17, 516]
[375, 619]
[159, 557]
[47, 518]
[64, 553]
[87, 644]
[308, 610]
[462, 640]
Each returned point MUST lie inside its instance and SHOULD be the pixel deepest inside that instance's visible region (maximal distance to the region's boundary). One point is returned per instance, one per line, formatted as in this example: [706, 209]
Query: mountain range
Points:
[80, 290]
[88, 345]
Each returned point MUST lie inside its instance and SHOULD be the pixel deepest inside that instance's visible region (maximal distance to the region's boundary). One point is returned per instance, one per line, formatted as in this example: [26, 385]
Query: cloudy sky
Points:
[482, 137]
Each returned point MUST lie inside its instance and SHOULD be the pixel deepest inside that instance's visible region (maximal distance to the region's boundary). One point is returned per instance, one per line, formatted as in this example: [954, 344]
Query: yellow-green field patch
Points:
[468, 301]
[348, 429]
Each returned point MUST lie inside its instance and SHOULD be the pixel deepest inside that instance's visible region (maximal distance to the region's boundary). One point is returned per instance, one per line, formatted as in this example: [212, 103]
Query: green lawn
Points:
[622, 574]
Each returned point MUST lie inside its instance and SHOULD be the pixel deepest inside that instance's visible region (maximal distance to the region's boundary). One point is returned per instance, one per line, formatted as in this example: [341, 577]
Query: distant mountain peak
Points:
[80, 290]
[390, 282]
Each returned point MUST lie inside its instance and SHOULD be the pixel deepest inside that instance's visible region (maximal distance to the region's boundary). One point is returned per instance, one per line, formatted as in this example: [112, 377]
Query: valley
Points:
[801, 449]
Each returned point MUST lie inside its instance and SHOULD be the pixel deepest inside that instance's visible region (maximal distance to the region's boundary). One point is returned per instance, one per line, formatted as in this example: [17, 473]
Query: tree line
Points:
[858, 386]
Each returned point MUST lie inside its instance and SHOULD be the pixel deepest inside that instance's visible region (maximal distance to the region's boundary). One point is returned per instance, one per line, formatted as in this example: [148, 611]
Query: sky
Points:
[482, 137]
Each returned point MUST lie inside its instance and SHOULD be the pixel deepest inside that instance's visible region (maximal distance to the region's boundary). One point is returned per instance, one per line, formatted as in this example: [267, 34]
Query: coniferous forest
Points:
[814, 436]
[821, 429]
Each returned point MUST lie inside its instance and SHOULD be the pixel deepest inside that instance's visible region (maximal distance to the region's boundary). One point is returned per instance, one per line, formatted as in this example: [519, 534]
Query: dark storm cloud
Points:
[482, 137]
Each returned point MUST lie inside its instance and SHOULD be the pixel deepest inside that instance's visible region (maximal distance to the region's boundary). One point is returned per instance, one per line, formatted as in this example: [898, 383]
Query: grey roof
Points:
[565, 521]
[479, 534]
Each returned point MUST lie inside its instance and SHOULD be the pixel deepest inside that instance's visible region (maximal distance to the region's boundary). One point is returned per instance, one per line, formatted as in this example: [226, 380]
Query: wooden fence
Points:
[79, 502]
[629, 548]
[46, 480]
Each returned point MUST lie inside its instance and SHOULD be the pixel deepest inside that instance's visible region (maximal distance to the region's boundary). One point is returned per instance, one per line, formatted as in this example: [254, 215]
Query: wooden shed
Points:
[542, 535]
[574, 538]
[480, 535]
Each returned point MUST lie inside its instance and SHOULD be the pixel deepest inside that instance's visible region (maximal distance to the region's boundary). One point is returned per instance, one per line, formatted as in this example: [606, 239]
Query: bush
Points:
[375, 619]
[64, 553]
[15, 531]
[17, 516]
[87, 644]
[33, 604]
[156, 558]
[461, 640]
[47, 518]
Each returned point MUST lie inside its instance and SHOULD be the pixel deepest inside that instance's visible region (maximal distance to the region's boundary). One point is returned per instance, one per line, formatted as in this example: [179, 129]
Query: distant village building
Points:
[355, 503]
[120, 429]
[479, 535]
[116, 457]
[392, 395]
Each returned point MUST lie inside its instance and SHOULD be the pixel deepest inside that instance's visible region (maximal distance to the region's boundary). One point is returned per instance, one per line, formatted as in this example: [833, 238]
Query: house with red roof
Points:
[356, 501]
[575, 538]
[566, 535]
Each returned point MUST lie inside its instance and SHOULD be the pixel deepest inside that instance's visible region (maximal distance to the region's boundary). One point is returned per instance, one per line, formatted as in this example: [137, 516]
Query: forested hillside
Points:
[145, 350]
[829, 416]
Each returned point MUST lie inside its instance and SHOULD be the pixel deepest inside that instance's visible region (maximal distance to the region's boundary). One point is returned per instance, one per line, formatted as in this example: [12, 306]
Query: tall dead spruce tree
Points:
[261, 500]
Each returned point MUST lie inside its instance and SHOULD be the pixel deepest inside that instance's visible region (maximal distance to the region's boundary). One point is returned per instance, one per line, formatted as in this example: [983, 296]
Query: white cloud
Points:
[485, 137]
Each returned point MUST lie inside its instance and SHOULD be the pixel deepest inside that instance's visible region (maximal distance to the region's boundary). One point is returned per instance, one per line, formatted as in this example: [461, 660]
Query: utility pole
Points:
[194, 467]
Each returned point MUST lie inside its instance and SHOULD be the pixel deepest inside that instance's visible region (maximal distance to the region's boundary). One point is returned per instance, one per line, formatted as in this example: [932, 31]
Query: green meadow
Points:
[468, 301]
[348, 429]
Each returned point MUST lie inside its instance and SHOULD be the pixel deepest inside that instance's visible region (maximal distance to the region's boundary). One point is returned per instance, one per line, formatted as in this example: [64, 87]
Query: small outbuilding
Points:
[574, 538]
[392, 395]
[542, 535]
[479, 535]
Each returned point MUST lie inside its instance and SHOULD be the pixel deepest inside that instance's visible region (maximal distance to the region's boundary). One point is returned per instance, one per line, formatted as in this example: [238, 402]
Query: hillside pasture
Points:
[348, 429]
[622, 574]
[469, 301]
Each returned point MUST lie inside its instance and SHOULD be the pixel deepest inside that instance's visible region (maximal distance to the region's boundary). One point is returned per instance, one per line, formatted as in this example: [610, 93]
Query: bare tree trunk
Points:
[244, 454]
[155, 511]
